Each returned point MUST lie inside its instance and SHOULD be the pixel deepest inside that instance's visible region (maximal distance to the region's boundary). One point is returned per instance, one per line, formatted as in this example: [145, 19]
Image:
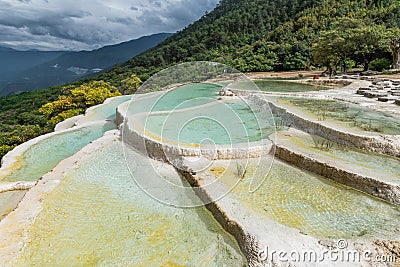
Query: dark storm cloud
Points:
[75, 25]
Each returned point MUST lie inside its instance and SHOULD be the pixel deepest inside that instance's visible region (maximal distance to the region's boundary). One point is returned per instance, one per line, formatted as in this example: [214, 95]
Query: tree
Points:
[370, 42]
[330, 50]
[395, 49]
[333, 49]
[351, 41]
[395, 46]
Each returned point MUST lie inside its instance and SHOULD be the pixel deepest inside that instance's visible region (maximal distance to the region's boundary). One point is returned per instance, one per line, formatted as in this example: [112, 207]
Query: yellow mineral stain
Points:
[159, 139]
[218, 171]
[16, 165]
[158, 235]
[152, 135]
[172, 264]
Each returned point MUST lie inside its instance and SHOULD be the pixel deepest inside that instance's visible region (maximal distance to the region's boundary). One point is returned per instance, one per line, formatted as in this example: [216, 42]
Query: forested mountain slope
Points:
[258, 35]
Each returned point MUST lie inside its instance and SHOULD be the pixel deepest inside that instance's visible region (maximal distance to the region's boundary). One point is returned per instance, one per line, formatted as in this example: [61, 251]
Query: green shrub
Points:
[4, 149]
[380, 64]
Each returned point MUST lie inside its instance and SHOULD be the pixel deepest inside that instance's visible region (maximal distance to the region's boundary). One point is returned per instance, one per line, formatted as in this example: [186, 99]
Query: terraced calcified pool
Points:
[315, 205]
[187, 96]
[377, 165]
[182, 97]
[346, 114]
[52, 150]
[228, 122]
[99, 216]
[105, 111]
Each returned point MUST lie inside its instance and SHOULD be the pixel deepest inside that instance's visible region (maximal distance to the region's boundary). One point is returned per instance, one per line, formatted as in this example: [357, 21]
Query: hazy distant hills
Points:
[5, 49]
[30, 70]
[13, 62]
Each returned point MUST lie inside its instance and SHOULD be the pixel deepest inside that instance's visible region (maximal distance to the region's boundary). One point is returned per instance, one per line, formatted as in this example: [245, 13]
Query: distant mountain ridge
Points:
[14, 61]
[3, 48]
[30, 70]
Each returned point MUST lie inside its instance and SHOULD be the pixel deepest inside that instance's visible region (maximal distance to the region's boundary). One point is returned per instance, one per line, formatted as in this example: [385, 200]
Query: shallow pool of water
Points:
[99, 216]
[315, 205]
[346, 114]
[9, 200]
[104, 111]
[45, 155]
[228, 122]
[182, 97]
[369, 163]
[187, 96]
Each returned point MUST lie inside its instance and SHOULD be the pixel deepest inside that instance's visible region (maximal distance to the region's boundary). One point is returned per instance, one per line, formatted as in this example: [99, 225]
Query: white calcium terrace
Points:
[243, 227]
[93, 194]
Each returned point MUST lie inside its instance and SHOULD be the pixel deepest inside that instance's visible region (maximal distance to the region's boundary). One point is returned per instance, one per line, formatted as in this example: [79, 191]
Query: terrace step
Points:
[362, 91]
[387, 98]
[375, 94]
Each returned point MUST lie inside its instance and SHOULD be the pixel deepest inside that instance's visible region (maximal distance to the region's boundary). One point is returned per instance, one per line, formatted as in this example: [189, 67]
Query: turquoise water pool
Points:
[346, 114]
[182, 97]
[187, 96]
[45, 155]
[228, 122]
[104, 111]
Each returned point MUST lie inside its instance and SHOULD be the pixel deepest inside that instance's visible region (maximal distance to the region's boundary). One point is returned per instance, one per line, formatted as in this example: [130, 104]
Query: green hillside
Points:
[259, 35]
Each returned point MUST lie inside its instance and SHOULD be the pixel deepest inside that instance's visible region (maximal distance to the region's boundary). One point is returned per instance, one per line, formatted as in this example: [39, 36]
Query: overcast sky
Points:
[89, 24]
